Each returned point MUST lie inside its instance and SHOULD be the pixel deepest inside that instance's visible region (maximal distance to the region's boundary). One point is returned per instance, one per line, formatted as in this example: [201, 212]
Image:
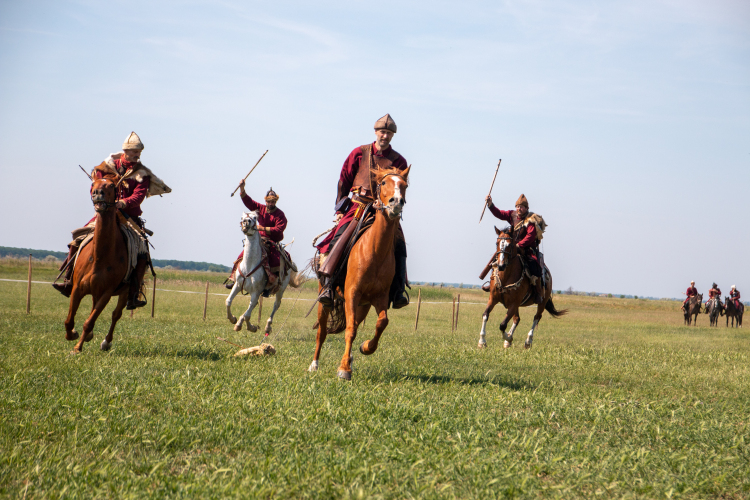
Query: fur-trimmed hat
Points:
[271, 196]
[387, 123]
[133, 142]
[522, 201]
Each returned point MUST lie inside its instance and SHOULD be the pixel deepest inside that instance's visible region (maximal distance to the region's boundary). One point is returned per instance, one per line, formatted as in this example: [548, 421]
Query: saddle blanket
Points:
[134, 242]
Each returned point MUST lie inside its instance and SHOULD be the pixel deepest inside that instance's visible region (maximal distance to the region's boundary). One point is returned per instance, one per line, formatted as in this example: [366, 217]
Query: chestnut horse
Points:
[730, 310]
[370, 271]
[100, 268]
[693, 309]
[511, 287]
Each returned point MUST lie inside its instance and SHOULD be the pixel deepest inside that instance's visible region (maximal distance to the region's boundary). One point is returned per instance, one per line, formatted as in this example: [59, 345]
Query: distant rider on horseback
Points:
[356, 177]
[527, 230]
[715, 292]
[271, 224]
[734, 294]
[691, 292]
[137, 182]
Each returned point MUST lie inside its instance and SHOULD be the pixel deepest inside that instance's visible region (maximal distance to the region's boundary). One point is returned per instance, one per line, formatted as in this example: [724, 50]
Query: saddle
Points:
[338, 278]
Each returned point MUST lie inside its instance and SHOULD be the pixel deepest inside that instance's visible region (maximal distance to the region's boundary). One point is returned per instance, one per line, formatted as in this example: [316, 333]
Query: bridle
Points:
[107, 204]
[378, 205]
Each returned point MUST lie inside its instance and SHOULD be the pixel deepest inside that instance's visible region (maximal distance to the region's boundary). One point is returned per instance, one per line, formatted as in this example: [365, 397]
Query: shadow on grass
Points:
[201, 353]
[446, 379]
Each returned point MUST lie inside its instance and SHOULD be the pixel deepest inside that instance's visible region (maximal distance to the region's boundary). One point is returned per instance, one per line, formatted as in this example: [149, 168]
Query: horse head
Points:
[392, 186]
[103, 194]
[249, 223]
[505, 247]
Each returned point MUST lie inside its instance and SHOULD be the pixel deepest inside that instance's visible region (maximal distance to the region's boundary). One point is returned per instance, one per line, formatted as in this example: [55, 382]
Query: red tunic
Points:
[735, 296]
[527, 240]
[691, 291]
[274, 224]
[346, 181]
[130, 191]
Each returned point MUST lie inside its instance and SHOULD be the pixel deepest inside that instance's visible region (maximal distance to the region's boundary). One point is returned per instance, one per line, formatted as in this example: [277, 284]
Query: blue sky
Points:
[626, 124]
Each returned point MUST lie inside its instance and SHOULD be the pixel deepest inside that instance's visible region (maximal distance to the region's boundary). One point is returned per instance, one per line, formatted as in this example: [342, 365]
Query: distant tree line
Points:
[185, 265]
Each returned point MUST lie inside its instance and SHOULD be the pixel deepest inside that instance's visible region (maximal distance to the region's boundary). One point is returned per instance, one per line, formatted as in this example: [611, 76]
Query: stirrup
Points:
[401, 300]
[228, 284]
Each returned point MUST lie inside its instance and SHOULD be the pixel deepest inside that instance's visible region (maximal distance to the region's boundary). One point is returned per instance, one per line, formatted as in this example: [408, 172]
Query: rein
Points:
[498, 283]
[378, 205]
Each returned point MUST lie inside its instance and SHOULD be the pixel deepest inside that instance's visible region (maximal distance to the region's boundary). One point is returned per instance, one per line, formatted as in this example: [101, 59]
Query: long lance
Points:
[87, 174]
[250, 172]
[491, 186]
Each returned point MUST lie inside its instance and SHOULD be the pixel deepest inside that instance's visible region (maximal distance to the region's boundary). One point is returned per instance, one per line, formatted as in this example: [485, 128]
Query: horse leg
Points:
[485, 317]
[508, 341]
[116, 315]
[276, 305]
[350, 306]
[537, 317]
[75, 302]
[254, 297]
[321, 337]
[232, 294]
[370, 346]
[88, 325]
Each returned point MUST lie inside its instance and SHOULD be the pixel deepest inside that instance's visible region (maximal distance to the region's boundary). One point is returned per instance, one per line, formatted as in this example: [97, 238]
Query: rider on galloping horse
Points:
[356, 177]
[691, 292]
[527, 230]
[271, 224]
[137, 183]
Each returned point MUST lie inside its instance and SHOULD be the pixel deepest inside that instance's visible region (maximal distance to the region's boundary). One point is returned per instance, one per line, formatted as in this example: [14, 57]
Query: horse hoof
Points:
[482, 345]
[252, 328]
[106, 346]
[507, 344]
[232, 319]
[362, 348]
[268, 330]
[89, 337]
[75, 352]
[313, 367]
[344, 375]
[238, 327]
[72, 335]
[527, 345]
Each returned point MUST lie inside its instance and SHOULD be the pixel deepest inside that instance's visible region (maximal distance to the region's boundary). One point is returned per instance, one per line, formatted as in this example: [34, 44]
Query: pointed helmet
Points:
[133, 142]
[522, 201]
[387, 123]
[271, 196]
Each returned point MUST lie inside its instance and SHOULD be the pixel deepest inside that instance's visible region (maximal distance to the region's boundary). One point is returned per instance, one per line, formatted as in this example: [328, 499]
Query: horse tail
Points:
[550, 308]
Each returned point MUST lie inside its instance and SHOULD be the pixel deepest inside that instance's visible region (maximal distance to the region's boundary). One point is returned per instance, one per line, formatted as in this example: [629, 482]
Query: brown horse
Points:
[101, 267]
[511, 287]
[693, 309]
[730, 310]
[371, 267]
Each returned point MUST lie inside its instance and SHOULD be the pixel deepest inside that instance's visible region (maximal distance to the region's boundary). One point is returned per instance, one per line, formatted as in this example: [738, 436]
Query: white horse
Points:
[255, 282]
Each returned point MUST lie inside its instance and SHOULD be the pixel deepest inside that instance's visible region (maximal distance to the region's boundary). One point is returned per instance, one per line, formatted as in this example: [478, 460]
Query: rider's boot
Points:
[134, 293]
[539, 291]
[398, 287]
[66, 287]
[229, 282]
[326, 294]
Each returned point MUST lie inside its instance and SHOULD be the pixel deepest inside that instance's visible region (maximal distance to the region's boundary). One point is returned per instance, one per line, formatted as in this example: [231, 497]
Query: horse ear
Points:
[405, 173]
[497, 231]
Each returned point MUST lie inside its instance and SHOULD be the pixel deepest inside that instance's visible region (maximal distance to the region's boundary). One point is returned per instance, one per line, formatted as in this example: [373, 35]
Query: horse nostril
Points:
[390, 201]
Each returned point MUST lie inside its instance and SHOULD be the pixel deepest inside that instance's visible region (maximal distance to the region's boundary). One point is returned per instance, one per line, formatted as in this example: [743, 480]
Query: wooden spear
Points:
[248, 174]
[491, 186]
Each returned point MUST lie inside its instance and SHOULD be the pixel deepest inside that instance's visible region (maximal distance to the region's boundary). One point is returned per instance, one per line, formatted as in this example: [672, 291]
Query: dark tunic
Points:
[525, 236]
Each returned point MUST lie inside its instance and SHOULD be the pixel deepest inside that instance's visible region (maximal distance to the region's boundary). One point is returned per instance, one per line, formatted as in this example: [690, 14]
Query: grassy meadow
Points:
[616, 400]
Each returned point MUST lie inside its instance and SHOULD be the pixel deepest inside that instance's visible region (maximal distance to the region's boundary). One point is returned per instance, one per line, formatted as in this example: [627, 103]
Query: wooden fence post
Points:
[205, 303]
[260, 308]
[28, 290]
[453, 318]
[419, 305]
[153, 298]
[458, 306]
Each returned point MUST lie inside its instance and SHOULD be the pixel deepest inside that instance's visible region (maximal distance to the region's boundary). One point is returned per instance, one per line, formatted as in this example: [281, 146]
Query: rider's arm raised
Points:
[249, 202]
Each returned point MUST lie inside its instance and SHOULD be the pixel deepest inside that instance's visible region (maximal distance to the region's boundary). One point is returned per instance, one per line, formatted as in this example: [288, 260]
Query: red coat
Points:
[275, 224]
[691, 292]
[524, 240]
[130, 191]
[735, 294]
[346, 184]
[275, 221]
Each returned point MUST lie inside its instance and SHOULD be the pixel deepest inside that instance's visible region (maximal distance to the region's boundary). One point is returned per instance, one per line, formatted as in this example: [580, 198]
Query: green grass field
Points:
[615, 400]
